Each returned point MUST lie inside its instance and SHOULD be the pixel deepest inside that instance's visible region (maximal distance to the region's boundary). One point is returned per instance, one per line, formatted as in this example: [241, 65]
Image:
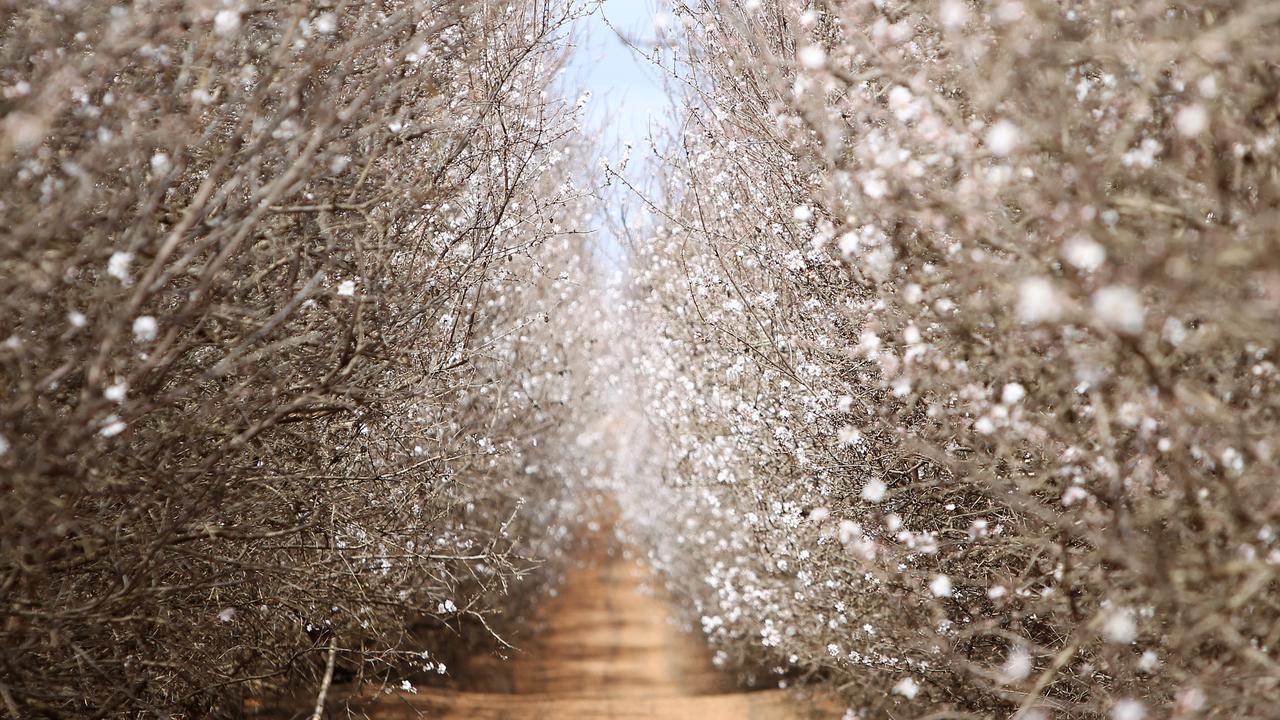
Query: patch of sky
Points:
[613, 58]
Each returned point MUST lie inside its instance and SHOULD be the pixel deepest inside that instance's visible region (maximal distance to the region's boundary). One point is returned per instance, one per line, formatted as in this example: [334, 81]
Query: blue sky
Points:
[627, 98]
[625, 89]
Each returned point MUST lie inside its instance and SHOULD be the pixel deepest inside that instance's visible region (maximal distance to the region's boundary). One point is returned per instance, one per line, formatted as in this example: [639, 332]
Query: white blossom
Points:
[1119, 308]
[849, 435]
[848, 244]
[145, 329]
[112, 426]
[1192, 120]
[940, 586]
[907, 688]
[160, 163]
[902, 103]
[1085, 254]
[812, 57]
[1003, 138]
[1120, 627]
[1149, 662]
[227, 22]
[1017, 666]
[868, 341]
[326, 23]
[118, 267]
[1010, 11]
[953, 13]
[848, 531]
[1012, 393]
[1190, 700]
[1128, 709]
[1073, 495]
[1038, 301]
[873, 491]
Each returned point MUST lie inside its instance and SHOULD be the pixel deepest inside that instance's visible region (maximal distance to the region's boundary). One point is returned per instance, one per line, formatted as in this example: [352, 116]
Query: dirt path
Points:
[606, 648]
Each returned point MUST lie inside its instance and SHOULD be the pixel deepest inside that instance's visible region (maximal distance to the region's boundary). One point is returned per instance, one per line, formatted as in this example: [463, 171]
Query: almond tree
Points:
[963, 321]
[277, 281]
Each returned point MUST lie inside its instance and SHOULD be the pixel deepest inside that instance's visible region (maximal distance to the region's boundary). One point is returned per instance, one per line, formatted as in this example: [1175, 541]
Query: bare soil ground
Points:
[604, 647]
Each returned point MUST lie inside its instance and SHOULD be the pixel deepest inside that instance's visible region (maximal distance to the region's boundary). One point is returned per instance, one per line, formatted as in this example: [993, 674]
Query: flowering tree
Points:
[944, 372]
[959, 323]
[281, 288]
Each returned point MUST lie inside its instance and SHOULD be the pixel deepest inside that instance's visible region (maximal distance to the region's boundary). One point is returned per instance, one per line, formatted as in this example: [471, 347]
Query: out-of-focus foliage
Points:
[287, 317]
[958, 327]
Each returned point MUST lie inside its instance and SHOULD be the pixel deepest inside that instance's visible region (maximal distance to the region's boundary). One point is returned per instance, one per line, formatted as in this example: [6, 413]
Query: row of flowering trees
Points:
[959, 324]
[288, 296]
